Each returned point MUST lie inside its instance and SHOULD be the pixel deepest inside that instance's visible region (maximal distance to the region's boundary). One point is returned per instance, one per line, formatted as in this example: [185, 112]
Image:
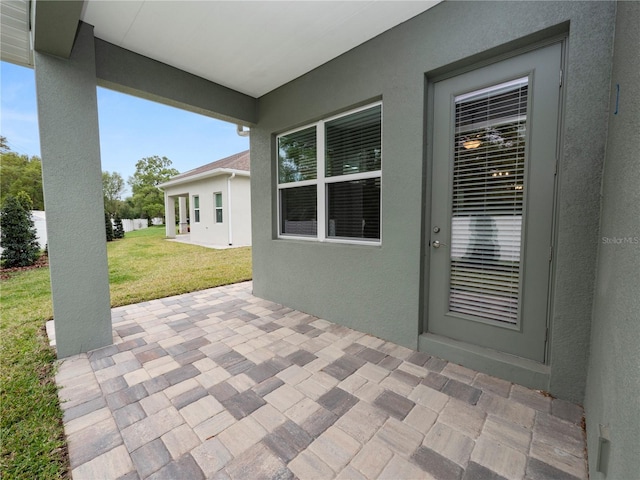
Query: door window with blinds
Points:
[329, 178]
[487, 201]
[494, 135]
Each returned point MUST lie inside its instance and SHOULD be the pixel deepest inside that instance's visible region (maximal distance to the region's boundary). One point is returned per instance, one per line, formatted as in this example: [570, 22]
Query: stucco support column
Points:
[182, 210]
[170, 215]
[72, 181]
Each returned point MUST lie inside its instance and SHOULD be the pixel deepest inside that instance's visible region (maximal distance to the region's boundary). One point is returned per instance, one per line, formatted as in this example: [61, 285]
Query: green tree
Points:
[126, 209]
[18, 237]
[147, 197]
[112, 188]
[20, 173]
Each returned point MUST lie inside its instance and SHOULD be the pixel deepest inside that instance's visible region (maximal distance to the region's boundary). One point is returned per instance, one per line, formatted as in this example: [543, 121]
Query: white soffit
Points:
[249, 46]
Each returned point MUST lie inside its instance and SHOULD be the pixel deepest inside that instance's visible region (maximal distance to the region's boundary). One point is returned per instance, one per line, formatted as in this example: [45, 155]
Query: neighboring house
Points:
[462, 180]
[219, 195]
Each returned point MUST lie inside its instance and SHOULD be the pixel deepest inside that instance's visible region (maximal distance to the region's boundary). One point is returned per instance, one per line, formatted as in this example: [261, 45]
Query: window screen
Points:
[354, 143]
[299, 211]
[297, 156]
[354, 209]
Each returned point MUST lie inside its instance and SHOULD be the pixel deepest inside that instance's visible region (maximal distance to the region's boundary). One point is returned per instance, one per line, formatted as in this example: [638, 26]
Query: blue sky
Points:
[130, 128]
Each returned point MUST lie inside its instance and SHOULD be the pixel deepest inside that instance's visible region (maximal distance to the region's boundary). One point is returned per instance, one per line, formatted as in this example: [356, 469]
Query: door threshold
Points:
[514, 369]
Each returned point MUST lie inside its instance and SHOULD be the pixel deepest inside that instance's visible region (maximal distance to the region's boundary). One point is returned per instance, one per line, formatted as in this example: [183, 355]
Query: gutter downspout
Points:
[231, 177]
[243, 133]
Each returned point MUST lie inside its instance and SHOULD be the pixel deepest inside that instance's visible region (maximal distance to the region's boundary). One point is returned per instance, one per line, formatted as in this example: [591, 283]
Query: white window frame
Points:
[216, 207]
[196, 216]
[322, 181]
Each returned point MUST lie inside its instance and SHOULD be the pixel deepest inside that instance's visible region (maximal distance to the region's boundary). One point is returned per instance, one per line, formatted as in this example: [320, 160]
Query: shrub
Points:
[108, 227]
[118, 229]
[18, 238]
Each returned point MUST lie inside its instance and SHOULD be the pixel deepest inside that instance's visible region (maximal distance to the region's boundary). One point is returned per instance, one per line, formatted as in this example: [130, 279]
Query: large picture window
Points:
[329, 178]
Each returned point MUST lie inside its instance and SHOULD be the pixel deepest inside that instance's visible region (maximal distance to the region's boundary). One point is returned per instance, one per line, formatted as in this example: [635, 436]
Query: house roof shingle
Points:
[238, 161]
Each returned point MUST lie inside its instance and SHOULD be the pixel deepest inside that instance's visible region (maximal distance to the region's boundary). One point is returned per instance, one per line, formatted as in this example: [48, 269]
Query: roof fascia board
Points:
[54, 26]
[201, 176]
[128, 72]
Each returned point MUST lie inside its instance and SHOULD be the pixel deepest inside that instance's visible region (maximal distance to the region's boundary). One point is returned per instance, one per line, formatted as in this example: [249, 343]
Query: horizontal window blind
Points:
[354, 209]
[488, 200]
[298, 211]
[354, 143]
[297, 159]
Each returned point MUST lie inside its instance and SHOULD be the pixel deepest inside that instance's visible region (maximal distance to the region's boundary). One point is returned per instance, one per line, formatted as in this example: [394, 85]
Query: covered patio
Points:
[222, 384]
[186, 238]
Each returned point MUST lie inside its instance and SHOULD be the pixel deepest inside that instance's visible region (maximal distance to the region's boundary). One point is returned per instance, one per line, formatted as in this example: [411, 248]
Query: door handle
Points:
[436, 244]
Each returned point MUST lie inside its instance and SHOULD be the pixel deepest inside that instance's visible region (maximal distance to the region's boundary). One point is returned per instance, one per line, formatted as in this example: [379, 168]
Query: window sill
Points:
[335, 241]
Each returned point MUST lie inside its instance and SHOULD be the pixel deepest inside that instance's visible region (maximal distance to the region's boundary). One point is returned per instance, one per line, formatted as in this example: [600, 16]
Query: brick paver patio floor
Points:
[222, 384]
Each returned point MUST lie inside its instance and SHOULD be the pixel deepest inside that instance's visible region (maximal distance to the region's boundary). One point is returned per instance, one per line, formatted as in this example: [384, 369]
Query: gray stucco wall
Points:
[72, 178]
[613, 386]
[378, 289]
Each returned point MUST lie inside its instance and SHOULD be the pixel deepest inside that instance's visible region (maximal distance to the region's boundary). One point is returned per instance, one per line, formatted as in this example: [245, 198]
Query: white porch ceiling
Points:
[249, 46]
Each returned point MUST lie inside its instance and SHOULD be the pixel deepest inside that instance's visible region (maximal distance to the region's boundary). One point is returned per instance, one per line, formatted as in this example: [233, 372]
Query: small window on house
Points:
[329, 178]
[218, 198]
[196, 209]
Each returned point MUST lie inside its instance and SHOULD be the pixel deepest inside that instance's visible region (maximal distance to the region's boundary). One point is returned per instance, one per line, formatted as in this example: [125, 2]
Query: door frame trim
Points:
[522, 371]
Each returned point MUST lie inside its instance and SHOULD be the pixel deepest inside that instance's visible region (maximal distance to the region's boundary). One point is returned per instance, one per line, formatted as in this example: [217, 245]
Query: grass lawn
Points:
[142, 266]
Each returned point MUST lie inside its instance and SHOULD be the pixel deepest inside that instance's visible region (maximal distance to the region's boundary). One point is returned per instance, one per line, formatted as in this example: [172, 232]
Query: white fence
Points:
[129, 225]
[40, 222]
